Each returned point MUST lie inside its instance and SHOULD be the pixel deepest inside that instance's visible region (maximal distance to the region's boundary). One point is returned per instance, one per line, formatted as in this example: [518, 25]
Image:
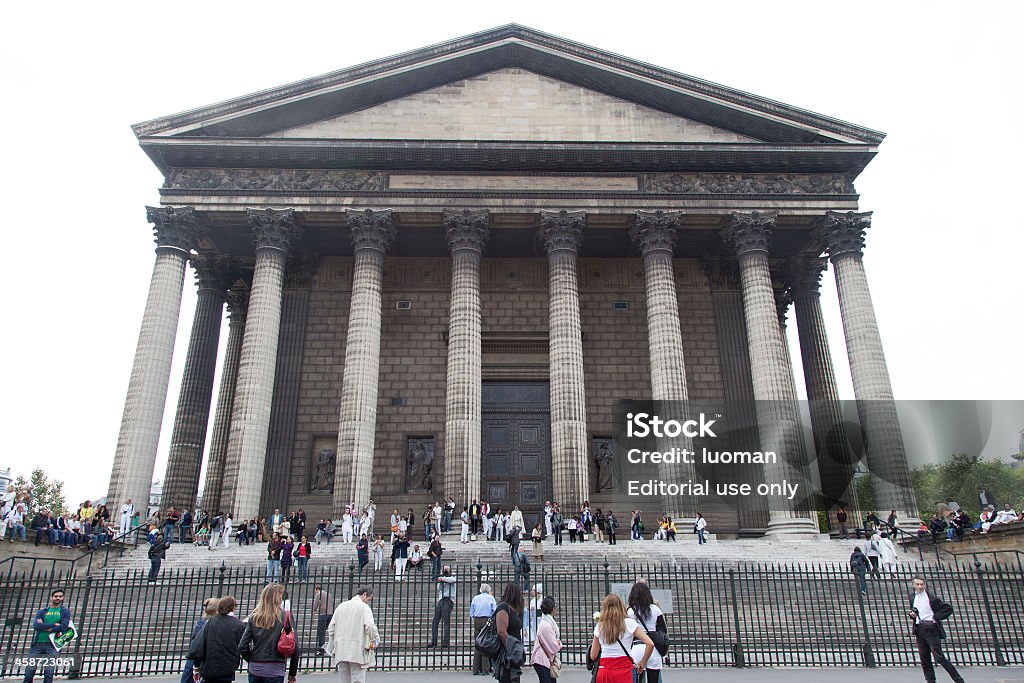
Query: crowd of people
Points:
[518, 631]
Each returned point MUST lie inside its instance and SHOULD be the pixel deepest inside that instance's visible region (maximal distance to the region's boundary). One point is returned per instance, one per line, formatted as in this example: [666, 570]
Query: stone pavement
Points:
[993, 674]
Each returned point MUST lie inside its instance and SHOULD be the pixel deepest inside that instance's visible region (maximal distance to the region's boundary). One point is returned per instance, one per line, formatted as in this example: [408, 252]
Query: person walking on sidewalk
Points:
[209, 612]
[443, 608]
[157, 553]
[547, 643]
[480, 610]
[352, 637]
[928, 612]
[259, 643]
[55, 618]
[323, 608]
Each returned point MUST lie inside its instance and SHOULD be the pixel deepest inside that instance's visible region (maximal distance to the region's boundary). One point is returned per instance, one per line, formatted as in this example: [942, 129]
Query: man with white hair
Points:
[352, 637]
[480, 610]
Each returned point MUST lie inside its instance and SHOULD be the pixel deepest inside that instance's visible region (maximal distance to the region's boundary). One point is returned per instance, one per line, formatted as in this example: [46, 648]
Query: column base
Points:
[792, 528]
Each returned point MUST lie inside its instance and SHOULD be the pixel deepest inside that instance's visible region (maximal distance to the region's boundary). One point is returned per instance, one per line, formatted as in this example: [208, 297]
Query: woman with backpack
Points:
[652, 620]
[262, 644]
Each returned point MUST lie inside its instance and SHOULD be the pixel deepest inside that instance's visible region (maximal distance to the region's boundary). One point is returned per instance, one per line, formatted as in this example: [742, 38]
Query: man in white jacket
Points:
[352, 637]
[127, 512]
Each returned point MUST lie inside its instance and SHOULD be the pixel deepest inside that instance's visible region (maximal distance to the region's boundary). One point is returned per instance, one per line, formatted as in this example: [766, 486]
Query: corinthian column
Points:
[177, 233]
[274, 232]
[562, 232]
[467, 233]
[181, 480]
[835, 464]
[213, 487]
[777, 413]
[843, 235]
[372, 233]
[655, 233]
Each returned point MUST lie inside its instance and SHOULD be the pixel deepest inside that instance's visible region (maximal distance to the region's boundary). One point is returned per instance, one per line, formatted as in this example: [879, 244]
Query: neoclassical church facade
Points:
[443, 268]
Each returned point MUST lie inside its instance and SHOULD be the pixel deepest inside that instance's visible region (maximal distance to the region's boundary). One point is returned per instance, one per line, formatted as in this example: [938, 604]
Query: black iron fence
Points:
[749, 615]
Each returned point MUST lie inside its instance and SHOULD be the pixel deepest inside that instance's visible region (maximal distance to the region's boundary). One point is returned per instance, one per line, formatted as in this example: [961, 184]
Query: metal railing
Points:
[748, 615]
[30, 566]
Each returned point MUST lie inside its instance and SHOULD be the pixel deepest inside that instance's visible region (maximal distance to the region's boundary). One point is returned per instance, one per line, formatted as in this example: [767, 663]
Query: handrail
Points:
[87, 556]
[920, 541]
[1019, 554]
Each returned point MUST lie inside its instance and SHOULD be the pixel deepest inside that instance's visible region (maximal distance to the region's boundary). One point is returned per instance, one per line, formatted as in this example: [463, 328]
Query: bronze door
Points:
[516, 448]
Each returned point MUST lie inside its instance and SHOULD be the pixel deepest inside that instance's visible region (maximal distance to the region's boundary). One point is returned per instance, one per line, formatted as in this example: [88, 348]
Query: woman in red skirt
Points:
[613, 640]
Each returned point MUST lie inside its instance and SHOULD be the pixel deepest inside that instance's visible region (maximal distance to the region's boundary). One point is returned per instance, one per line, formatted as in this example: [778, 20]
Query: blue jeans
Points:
[186, 673]
[51, 535]
[266, 679]
[426, 531]
[169, 532]
[700, 537]
[862, 581]
[40, 650]
[182, 533]
[154, 569]
[17, 530]
[303, 567]
[273, 570]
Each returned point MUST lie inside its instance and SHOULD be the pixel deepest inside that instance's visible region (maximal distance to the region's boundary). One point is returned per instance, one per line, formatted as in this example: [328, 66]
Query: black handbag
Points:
[487, 641]
[659, 638]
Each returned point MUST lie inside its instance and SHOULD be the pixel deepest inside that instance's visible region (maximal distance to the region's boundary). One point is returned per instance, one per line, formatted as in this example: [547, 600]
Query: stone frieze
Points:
[253, 179]
[745, 183]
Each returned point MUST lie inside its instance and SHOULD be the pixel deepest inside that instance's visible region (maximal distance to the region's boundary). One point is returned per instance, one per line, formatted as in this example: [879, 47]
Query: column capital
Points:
[174, 227]
[274, 228]
[213, 272]
[655, 231]
[783, 299]
[371, 229]
[562, 230]
[843, 233]
[466, 229]
[723, 274]
[750, 232]
[299, 271]
[238, 301]
[803, 274]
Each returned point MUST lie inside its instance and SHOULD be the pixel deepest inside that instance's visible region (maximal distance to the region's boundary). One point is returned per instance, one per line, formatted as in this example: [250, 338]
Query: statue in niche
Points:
[323, 471]
[605, 460]
[421, 462]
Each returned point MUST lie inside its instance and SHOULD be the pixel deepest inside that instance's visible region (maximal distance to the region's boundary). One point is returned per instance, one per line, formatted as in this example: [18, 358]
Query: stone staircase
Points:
[685, 550]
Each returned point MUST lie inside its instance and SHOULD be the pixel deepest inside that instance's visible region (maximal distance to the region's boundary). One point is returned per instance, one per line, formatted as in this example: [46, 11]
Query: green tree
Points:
[47, 494]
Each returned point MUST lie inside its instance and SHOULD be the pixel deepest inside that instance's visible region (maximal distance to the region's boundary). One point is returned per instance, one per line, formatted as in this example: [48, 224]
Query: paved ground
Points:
[843, 675]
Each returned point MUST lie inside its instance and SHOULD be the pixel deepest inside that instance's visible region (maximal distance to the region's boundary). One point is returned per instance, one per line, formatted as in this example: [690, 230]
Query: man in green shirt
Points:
[55, 619]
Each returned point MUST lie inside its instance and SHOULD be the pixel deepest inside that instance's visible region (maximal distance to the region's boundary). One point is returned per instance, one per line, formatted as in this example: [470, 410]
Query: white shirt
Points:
[1006, 517]
[702, 523]
[924, 607]
[613, 649]
[650, 624]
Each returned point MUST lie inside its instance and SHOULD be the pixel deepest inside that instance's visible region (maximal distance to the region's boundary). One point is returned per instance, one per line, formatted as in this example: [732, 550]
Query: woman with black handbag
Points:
[508, 622]
[652, 620]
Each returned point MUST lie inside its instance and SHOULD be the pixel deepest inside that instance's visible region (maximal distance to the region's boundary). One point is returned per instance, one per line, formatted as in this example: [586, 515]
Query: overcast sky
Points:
[944, 80]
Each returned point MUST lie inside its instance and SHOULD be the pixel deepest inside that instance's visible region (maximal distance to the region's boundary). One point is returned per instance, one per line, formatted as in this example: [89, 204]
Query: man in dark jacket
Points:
[157, 552]
[928, 612]
[556, 524]
[214, 649]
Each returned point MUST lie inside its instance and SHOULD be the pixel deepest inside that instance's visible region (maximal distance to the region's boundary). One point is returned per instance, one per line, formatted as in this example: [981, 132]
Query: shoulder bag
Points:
[286, 642]
[659, 638]
[555, 667]
[487, 641]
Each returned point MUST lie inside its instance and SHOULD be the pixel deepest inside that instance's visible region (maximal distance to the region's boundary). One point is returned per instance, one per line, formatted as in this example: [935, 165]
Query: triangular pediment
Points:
[513, 104]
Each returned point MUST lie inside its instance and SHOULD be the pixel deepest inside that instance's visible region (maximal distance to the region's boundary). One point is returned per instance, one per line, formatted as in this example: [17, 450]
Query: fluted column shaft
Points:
[655, 233]
[372, 232]
[185, 458]
[467, 233]
[213, 486]
[833, 454]
[886, 454]
[274, 232]
[777, 413]
[135, 457]
[562, 233]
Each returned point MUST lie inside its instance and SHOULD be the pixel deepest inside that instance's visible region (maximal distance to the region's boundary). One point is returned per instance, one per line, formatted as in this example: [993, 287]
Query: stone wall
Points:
[514, 300]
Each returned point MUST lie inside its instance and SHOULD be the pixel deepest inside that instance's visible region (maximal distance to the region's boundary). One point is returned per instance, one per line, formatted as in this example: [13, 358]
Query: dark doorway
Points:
[516, 468]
